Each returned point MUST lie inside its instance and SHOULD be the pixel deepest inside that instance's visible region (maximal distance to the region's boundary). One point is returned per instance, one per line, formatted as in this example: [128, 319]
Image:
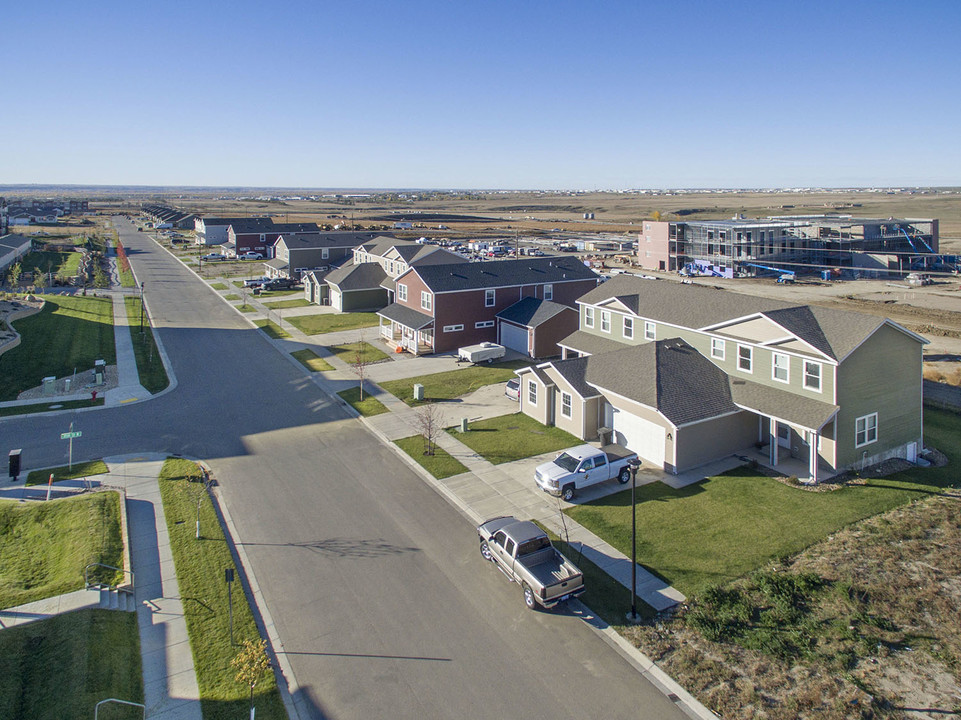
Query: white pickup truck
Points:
[582, 466]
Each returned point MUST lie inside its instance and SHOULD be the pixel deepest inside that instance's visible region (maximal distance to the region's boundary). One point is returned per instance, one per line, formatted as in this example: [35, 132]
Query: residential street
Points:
[381, 601]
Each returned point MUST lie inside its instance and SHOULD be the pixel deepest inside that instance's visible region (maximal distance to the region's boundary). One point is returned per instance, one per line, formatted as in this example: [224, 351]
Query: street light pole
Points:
[141, 307]
[632, 616]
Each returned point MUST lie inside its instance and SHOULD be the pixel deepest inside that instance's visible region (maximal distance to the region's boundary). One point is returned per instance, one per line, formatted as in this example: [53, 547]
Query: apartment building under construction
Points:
[807, 244]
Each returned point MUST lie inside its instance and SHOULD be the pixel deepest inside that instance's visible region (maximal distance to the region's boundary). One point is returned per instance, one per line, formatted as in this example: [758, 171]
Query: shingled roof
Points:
[531, 311]
[502, 273]
[366, 276]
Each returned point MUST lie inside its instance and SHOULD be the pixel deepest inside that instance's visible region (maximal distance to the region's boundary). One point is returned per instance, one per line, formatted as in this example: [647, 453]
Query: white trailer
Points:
[485, 352]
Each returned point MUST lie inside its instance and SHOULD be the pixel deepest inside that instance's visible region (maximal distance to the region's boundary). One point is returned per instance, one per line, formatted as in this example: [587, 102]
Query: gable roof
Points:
[502, 273]
[835, 333]
[211, 221]
[365, 276]
[408, 317]
[312, 240]
[582, 341]
[251, 225]
[574, 371]
[531, 311]
[667, 375]
[296, 227]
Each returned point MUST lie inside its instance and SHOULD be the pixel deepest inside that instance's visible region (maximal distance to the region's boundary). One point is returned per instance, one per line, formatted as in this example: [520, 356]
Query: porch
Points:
[406, 330]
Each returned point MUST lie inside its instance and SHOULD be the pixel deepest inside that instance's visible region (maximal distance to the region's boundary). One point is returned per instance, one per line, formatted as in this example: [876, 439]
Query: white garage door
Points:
[640, 435]
[335, 299]
[514, 337]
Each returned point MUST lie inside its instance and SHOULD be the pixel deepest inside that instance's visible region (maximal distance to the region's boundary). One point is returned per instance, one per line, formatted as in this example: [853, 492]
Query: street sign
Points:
[71, 435]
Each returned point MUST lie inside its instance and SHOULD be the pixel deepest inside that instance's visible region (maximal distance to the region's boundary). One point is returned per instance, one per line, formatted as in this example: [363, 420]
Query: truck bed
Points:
[548, 566]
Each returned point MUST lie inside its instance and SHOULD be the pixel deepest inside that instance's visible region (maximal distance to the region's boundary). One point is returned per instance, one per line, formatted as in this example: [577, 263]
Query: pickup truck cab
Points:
[523, 552]
[582, 466]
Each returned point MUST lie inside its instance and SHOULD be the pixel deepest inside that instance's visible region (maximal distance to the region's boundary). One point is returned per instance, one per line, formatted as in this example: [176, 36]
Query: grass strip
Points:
[45, 546]
[200, 574]
[232, 297]
[440, 464]
[218, 286]
[245, 308]
[452, 383]
[349, 352]
[512, 437]
[272, 329]
[65, 472]
[63, 666]
[69, 334]
[311, 360]
[32, 408]
[367, 407]
[150, 367]
[292, 303]
[333, 322]
[734, 523]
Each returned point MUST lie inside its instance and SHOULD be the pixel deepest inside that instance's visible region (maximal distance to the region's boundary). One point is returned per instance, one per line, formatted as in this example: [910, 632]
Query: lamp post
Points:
[141, 307]
[632, 616]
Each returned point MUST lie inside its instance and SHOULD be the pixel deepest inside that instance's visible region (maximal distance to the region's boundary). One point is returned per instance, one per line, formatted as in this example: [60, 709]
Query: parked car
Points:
[251, 256]
[523, 552]
[513, 389]
[583, 466]
[213, 257]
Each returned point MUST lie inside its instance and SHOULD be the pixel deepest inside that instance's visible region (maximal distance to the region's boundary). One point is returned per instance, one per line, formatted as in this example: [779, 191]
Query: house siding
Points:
[713, 439]
[542, 411]
[549, 333]
[882, 376]
[361, 300]
[583, 420]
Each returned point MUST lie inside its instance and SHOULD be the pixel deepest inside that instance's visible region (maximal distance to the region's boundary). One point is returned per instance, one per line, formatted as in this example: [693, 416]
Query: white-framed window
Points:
[402, 293]
[425, 300]
[548, 292]
[489, 297]
[588, 316]
[866, 430]
[484, 324]
[628, 327]
[605, 321]
[324, 253]
[531, 392]
[567, 405]
[717, 348]
[390, 267]
[453, 328]
[745, 358]
[650, 330]
[812, 375]
[781, 367]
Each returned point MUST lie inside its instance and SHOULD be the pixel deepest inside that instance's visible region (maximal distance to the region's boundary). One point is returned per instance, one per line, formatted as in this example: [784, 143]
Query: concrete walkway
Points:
[48, 607]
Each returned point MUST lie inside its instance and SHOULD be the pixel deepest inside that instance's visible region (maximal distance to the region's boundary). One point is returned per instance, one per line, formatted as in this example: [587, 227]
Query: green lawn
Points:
[200, 568]
[45, 546]
[246, 308]
[218, 286]
[310, 360]
[67, 335]
[292, 303]
[49, 407]
[62, 667]
[232, 297]
[512, 437]
[366, 407]
[51, 261]
[440, 464]
[272, 329]
[150, 366]
[727, 526]
[452, 383]
[349, 352]
[332, 322]
[65, 472]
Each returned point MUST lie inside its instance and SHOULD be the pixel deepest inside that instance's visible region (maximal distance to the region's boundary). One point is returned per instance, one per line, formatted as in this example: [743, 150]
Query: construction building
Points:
[809, 244]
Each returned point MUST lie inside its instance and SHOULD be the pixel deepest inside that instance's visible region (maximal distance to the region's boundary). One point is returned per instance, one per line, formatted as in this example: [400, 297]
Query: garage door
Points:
[640, 435]
[335, 299]
[514, 337]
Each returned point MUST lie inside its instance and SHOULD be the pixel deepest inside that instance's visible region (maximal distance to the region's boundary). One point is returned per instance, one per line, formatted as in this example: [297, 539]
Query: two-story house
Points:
[439, 308]
[686, 374]
[215, 231]
[298, 253]
[254, 235]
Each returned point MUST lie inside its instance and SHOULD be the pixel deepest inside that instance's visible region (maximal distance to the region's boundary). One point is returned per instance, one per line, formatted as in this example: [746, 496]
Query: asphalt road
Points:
[381, 600]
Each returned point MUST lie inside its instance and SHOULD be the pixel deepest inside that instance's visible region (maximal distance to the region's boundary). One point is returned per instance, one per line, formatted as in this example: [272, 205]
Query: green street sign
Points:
[70, 435]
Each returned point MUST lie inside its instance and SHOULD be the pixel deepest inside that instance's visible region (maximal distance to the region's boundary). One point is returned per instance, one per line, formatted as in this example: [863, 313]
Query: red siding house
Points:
[439, 308]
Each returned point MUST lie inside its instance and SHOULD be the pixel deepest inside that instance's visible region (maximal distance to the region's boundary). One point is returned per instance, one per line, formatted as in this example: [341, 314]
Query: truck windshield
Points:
[532, 546]
[567, 462]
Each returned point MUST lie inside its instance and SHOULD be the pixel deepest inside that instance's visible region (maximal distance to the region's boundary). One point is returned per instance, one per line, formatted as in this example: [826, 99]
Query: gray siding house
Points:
[685, 374]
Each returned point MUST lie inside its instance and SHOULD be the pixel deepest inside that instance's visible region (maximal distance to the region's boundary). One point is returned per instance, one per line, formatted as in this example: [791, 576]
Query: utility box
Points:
[463, 425]
[418, 391]
[14, 464]
[49, 386]
[99, 371]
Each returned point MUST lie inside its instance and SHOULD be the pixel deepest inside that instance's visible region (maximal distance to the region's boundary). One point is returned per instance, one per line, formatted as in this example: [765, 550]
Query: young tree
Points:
[252, 665]
[429, 422]
[360, 361]
[16, 270]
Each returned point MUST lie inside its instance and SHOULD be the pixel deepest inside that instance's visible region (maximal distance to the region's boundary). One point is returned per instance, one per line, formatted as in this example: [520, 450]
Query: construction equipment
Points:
[784, 276]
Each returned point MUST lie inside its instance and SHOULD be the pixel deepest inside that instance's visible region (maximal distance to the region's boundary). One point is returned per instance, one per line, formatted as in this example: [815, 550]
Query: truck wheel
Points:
[568, 493]
[486, 551]
[529, 600]
[624, 476]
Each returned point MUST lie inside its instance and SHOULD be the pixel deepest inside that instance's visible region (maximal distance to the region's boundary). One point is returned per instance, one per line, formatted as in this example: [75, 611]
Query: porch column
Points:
[813, 457]
[773, 443]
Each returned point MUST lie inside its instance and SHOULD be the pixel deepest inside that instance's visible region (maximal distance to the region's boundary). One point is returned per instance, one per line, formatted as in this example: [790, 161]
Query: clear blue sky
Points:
[528, 94]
